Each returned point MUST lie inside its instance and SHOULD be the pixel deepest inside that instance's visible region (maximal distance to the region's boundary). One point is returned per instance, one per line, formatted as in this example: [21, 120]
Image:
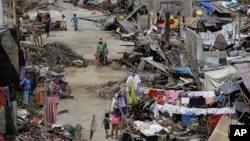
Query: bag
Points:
[96, 56]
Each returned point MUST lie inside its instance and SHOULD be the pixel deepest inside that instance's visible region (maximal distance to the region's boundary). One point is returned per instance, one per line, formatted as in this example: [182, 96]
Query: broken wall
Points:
[9, 63]
[194, 42]
[154, 5]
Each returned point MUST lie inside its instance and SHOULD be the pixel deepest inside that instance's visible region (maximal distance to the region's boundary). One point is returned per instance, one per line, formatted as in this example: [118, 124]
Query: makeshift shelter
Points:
[195, 23]
[220, 43]
[213, 79]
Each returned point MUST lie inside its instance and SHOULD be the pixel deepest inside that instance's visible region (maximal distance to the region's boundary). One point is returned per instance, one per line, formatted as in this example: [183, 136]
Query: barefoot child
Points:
[106, 124]
[115, 123]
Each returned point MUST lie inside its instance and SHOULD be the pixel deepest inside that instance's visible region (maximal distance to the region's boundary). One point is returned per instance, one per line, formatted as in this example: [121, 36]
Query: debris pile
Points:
[33, 129]
[54, 54]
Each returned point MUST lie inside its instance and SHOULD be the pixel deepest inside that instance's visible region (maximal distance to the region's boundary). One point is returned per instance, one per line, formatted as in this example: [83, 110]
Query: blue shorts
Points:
[26, 98]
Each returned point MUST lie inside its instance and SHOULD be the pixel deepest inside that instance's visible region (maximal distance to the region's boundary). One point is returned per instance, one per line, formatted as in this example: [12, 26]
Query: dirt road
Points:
[84, 41]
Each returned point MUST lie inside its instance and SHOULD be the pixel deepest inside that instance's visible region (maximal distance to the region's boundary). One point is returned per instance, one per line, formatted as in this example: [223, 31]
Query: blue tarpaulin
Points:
[207, 6]
[185, 70]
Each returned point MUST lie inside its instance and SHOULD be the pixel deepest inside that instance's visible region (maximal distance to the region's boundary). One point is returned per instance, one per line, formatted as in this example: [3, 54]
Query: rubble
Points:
[54, 54]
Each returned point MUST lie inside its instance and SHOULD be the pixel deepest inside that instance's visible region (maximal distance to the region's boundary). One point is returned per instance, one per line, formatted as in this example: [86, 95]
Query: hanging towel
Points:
[131, 94]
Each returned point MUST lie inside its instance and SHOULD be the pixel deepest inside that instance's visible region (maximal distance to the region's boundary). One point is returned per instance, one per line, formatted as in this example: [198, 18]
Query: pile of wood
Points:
[54, 54]
[245, 28]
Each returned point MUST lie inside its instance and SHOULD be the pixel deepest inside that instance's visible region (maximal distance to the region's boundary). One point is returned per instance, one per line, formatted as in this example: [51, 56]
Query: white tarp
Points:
[213, 79]
[148, 129]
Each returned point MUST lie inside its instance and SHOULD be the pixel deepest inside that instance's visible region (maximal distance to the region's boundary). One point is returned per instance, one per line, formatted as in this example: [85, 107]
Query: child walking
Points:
[106, 124]
[75, 22]
[64, 26]
[115, 123]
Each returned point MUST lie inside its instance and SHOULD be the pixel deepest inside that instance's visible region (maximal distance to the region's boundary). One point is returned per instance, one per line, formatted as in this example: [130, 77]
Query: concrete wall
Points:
[154, 5]
[194, 42]
[9, 64]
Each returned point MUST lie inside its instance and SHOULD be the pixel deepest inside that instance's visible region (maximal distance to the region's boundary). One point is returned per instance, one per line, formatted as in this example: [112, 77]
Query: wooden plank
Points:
[126, 62]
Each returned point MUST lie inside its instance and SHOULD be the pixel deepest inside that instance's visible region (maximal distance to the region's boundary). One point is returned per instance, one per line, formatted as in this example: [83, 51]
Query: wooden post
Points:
[124, 119]
[167, 27]
[193, 64]
[14, 12]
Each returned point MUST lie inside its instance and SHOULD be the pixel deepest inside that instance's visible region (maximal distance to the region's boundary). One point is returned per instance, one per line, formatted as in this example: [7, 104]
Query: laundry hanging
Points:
[131, 94]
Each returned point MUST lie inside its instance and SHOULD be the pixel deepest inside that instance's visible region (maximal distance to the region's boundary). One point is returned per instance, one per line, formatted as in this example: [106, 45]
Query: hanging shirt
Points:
[131, 95]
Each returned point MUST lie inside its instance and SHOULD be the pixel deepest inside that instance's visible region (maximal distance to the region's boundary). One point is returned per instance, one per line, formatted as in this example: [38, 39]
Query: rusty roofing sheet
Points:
[244, 72]
[127, 26]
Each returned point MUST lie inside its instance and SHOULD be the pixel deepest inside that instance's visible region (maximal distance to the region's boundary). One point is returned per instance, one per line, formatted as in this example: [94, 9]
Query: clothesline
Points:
[172, 109]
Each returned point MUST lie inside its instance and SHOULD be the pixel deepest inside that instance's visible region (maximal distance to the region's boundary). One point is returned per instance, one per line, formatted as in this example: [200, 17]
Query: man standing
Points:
[25, 84]
[100, 51]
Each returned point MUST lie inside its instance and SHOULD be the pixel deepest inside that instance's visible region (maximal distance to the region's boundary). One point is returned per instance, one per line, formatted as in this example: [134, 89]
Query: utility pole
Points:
[167, 27]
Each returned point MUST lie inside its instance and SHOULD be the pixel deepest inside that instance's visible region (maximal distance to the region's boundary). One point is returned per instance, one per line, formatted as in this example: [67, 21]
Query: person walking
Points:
[105, 122]
[100, 51]
[64, 26]
[26, 85]
[47, 25]
[75, 22]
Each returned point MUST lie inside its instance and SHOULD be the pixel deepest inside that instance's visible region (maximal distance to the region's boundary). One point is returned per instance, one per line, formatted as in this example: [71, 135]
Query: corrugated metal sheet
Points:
[127, 26]
[217, 6]
[160, 66]
[244, 72]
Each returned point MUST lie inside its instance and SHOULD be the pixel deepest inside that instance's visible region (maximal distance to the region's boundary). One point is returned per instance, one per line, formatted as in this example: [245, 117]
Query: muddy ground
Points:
[86, 103]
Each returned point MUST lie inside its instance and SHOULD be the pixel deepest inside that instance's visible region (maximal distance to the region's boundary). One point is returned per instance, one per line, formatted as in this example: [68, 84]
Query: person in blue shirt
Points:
[74, 21]
[26, 85]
